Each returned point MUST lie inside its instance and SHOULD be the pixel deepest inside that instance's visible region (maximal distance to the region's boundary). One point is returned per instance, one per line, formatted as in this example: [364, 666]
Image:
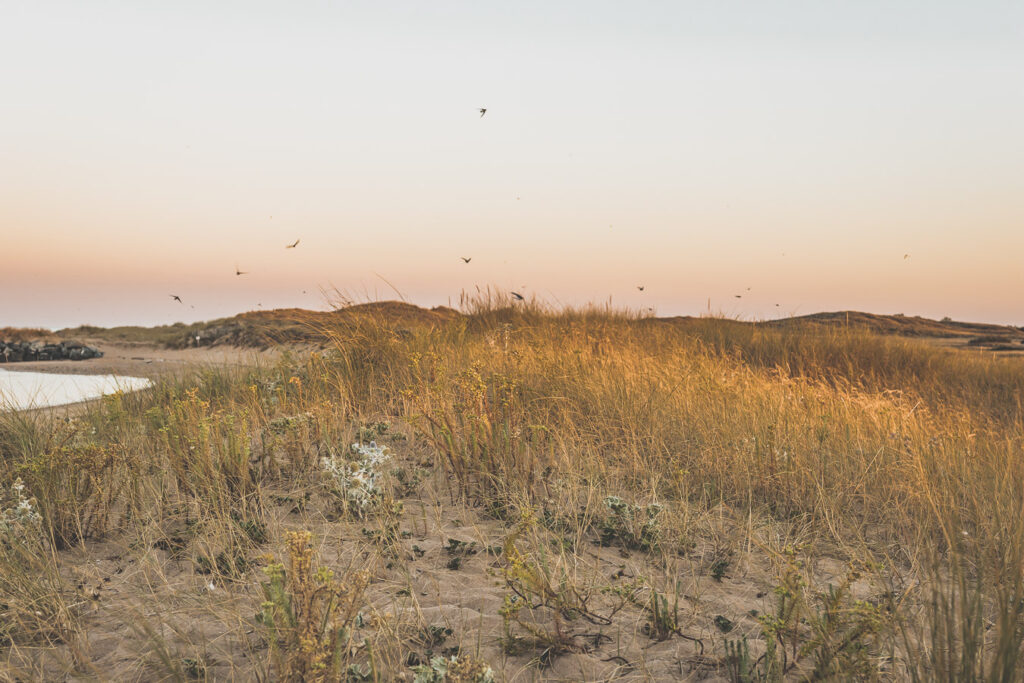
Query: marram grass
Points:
[569, 494]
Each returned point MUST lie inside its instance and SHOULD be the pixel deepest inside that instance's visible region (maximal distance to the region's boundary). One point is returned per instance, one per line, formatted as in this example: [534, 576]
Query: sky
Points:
[806, 156]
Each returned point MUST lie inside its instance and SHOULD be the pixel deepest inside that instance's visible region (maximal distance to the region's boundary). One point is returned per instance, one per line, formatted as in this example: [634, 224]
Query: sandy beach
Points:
[138, 360]
[145, 360]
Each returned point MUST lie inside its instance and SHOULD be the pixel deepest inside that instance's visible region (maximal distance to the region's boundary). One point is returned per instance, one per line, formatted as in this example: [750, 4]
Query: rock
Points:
[18, 352]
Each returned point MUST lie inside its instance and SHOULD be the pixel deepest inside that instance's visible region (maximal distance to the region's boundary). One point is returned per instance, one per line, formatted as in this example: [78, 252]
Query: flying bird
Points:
[482, 112]
[176, 298]
[518, 296]
[640, 287]
[738, 296]
[240, 272]
[292, 245]
[906, 256]
[466, 260]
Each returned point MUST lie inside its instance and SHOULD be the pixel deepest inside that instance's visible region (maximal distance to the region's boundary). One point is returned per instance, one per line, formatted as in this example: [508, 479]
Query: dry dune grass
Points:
[17, 334]
[565, 495]
[299, 326]
[260, 329]
[909, 326]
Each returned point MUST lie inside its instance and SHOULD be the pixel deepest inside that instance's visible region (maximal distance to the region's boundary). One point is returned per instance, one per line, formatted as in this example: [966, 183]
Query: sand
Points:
[139, 360]
[145, 360]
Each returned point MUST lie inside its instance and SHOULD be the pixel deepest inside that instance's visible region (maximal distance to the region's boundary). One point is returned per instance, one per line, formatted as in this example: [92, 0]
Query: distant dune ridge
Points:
[261, 329]
[947, 332]
[910, 326]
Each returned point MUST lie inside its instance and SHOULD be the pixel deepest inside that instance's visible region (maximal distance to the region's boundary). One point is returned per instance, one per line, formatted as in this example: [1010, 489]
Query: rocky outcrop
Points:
[23, 351]
[213, 335]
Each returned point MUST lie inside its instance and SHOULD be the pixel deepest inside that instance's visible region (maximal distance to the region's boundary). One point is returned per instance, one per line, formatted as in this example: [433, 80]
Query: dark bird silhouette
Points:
[482, 112]
[176, 298]
[640, 287]
[292, 245]
[738, 296]
[518, 296]
[240, 272]
[776, 304]
[466, 260]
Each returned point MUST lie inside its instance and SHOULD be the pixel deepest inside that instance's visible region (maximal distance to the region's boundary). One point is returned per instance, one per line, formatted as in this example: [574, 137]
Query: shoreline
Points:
[142, 361]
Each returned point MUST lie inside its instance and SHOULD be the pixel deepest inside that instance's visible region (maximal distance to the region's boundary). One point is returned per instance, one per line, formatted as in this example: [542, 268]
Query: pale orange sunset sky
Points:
[800, 149]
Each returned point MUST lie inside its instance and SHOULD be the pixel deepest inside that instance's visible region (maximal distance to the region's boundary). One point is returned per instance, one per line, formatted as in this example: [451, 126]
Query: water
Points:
[21, 390]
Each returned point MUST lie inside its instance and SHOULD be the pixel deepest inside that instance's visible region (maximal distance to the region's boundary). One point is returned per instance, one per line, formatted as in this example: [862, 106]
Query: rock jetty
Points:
[23, 351]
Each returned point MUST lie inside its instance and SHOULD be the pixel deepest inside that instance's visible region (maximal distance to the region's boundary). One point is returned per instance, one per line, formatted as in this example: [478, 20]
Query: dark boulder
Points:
[19, 352]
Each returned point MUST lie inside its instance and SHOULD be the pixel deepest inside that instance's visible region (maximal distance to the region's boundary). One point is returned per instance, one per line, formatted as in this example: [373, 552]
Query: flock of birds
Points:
[239, 271]
[465, 259]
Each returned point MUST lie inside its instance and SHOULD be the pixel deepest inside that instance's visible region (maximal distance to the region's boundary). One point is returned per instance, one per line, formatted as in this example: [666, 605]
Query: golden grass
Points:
[636, 499]
[17, 334]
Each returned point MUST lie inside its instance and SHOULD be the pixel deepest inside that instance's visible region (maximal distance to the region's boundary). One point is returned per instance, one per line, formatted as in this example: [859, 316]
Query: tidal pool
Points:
[22, 390]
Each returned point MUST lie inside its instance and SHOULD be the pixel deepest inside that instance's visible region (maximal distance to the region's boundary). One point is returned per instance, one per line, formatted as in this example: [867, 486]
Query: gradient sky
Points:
[800, 149]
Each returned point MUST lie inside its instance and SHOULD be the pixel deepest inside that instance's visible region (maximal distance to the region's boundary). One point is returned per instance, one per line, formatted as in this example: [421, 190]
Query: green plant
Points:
[227, 565]
[632, 526]
[434, 636]
[356, 673]
[662, 615]
[388, 531]
[739, 666]
[837, 633]
[78, 484]
[308, 615]
[541, 603]
[357, 483]
[32, 607]
[663, 619]
[455, 669]
[723, 623]
[193, 668]
[458, 551]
